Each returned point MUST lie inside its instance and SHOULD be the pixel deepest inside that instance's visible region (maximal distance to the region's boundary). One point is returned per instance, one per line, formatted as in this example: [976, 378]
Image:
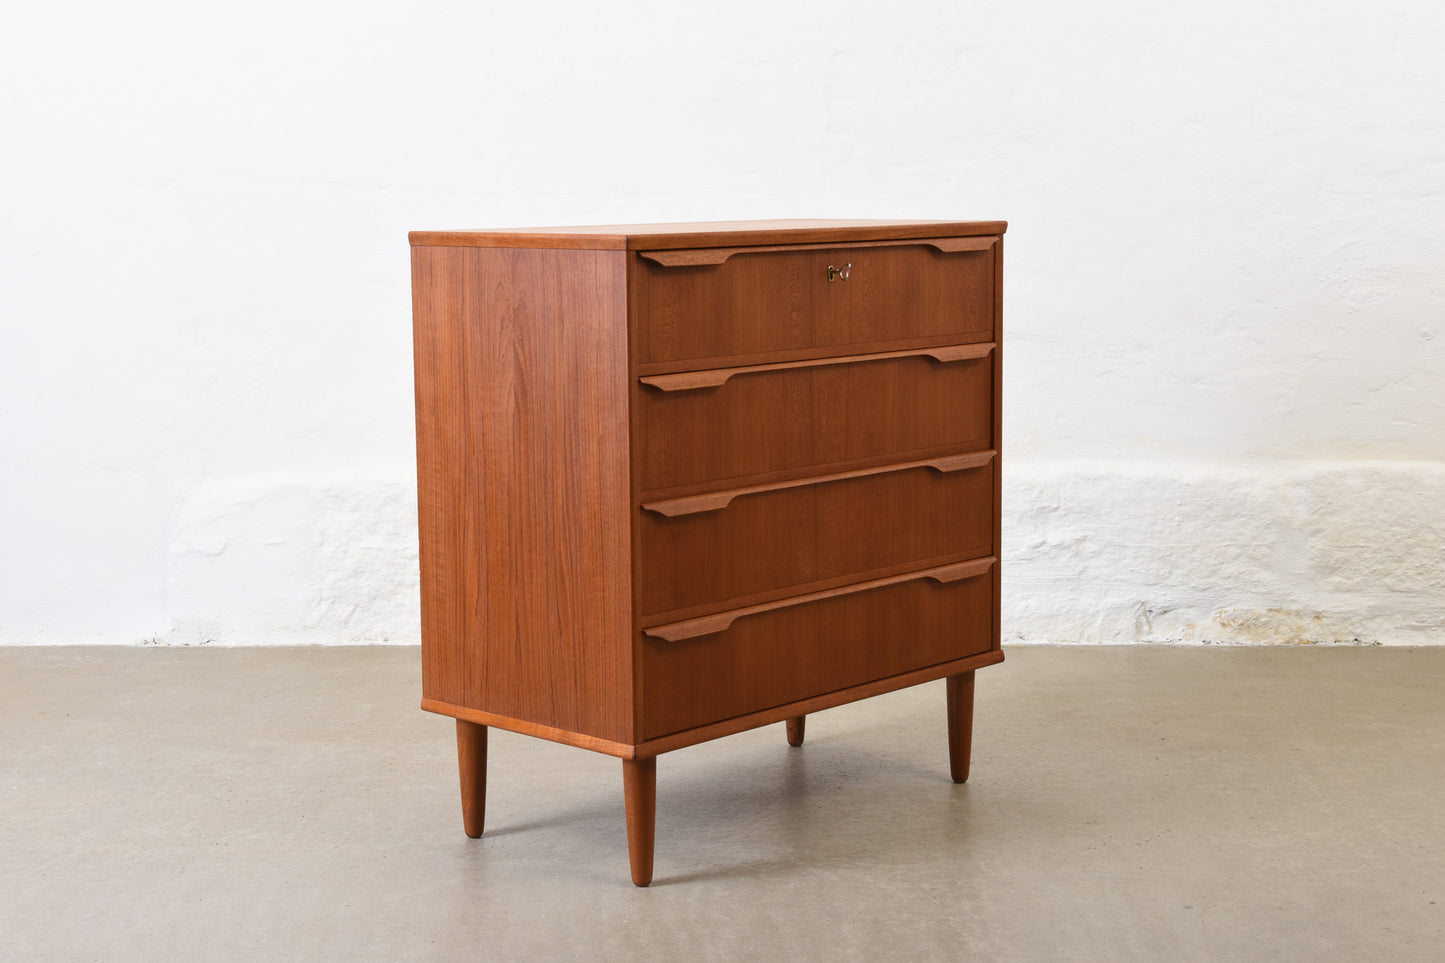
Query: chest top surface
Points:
[645, 237]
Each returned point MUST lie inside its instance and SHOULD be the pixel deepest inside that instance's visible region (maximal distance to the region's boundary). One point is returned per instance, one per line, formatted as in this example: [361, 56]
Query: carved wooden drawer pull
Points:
[722, 621]
[713, 256]
[713, 501]
[715, 377]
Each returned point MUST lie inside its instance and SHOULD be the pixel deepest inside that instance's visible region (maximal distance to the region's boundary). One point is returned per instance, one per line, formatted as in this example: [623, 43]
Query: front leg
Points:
[639, 788]
[472, 762]
[960, 724]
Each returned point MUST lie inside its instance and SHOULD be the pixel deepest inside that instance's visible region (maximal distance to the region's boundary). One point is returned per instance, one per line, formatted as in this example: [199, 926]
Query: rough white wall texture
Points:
[1300, 553]
[297, 558]
[1225, 281]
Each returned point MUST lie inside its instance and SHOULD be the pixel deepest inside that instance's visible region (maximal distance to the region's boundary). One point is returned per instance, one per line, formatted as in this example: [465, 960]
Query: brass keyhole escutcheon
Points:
[839, 273]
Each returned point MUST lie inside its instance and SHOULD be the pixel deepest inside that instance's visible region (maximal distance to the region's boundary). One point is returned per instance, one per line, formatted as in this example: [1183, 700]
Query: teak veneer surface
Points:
[773, 301]
[788, 654]
[727, 727]
[523, 490]
[816, 532]
[798, 417]
[634, 237]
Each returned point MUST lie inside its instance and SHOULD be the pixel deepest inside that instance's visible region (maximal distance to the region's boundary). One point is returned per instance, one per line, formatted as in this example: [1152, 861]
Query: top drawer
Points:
[737, 302]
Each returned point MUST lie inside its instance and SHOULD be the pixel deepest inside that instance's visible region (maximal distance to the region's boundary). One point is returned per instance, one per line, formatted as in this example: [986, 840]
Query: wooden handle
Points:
[716, 377]
[713, 256]
[713, 501]
[722, 621]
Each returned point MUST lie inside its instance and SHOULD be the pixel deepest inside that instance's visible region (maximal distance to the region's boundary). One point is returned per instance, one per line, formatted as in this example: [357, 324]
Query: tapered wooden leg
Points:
[795, 730]
[472, 761]
[960, 724]
[639, 787]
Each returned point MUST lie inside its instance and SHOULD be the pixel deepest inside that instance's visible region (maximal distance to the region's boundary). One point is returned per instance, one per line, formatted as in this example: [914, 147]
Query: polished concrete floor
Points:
[1141, 803]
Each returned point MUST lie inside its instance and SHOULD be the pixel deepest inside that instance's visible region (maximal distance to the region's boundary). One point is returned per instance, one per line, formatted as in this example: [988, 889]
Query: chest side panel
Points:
[523, 484]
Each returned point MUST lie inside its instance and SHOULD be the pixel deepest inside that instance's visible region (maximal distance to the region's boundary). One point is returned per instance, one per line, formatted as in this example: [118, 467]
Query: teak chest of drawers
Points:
[679, 481]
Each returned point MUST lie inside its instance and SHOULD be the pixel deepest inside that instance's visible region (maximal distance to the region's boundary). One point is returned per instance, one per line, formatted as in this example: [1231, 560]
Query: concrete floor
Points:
[1141, 803]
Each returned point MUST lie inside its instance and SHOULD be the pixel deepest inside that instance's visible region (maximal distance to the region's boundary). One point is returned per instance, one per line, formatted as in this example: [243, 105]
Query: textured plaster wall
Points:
[1295, 552]
[1225, 282]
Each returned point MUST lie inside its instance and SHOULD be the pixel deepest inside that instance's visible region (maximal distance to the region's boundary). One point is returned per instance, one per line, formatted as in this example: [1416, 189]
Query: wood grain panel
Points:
[621, 237]
[691, 737]
[806, 533]
[623, 750]
[523, 484]
[783, 300]
[794, 653]
[776, 420]
[764, 717]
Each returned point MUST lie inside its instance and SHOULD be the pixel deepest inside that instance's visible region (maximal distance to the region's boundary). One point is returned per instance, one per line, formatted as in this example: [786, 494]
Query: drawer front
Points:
[709, 548]
[799, 651]
[753, 303]
[795, 418]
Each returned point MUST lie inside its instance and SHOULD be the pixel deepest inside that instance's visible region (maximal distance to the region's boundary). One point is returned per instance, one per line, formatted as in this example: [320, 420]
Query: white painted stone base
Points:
[1094, 552]
[285, 560]
[1292, 553]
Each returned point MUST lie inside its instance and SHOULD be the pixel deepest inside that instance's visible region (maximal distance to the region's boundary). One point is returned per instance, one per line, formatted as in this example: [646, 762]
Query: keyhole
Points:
[839, 273]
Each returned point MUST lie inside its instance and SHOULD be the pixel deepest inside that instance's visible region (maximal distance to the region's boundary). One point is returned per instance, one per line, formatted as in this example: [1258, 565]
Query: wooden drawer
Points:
[726, 423]
[734, 302]
[726, 665]
[740, 542]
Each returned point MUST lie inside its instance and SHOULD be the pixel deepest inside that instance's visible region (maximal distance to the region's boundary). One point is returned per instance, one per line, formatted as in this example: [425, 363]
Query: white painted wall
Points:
[1225, 281]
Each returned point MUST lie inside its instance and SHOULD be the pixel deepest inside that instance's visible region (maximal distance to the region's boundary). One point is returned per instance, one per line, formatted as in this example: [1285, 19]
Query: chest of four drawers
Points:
[676, 483]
